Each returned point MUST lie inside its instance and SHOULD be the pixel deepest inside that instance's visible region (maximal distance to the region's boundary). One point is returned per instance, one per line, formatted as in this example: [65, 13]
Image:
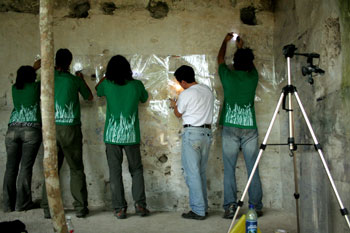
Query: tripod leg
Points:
[262, 148]
[343, 210]
[296, 194]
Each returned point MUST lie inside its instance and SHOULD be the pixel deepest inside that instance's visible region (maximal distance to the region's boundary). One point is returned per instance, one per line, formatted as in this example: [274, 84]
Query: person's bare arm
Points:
[174, 106]
[222, 51]
[37, 64]
[80, 75]
[239, 42]
[100, 82]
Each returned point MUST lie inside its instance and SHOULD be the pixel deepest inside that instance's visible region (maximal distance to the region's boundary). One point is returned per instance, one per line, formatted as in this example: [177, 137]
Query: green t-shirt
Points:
[67, 106]
[239, 93]
[122, 120]
[26, 103]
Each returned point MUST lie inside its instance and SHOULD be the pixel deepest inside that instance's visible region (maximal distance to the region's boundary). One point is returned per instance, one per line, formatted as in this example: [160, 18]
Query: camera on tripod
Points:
[310, 68]
[287, 92]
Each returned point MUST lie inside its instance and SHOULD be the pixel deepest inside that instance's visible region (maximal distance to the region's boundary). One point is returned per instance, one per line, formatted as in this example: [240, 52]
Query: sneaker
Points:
[82, 213]
[192, 215]
[47, 214]
[259, 213]
[230, 212]
[121, 213]
[141, 211]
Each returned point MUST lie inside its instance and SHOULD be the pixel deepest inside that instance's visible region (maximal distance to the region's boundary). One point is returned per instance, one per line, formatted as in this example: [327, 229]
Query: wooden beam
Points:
[48, 117]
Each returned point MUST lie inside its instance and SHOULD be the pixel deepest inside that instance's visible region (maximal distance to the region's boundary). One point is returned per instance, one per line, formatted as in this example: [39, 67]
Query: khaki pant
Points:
[69, 146]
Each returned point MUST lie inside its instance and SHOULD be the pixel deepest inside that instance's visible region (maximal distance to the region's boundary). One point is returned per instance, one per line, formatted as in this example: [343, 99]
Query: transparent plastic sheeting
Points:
[157, 74]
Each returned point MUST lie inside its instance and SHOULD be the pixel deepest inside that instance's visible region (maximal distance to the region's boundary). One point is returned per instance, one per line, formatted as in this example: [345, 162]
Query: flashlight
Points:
[235, 36]
[178, 87]
[78, 67]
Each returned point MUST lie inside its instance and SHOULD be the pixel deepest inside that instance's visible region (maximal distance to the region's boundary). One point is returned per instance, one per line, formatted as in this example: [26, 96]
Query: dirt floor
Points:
[100, 221]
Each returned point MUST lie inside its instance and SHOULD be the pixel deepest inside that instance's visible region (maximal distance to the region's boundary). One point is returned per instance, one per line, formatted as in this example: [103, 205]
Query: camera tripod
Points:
[288, 91]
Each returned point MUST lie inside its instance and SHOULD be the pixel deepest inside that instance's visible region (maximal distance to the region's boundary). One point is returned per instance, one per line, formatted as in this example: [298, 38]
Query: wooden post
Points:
[48, 117]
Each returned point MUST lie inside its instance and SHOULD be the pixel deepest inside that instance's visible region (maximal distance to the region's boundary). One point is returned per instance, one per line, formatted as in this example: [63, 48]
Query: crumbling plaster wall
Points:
[319, 26]
[188, 28]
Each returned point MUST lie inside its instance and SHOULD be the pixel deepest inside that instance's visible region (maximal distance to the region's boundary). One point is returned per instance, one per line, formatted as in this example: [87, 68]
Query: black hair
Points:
[63, 59]
[119, 70]
[25, 74]
[243, 59]
[185, 73]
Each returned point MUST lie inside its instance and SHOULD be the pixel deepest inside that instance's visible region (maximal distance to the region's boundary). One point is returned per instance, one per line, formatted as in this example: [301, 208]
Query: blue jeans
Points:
[194, 155]
[232, 140]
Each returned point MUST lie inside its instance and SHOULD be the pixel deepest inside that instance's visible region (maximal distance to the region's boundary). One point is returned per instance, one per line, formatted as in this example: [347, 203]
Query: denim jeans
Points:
[22, 145]
[70, 147]
[232, 140]
[194, 155]
[115, 160]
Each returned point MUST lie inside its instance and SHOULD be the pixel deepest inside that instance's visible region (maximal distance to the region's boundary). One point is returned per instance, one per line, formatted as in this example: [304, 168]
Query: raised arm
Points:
[100, 82]
[80, 75]
[37, 64]
[222, 51]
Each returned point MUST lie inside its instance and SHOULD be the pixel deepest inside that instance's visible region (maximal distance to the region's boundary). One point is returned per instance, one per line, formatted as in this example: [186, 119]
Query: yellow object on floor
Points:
[240, 226]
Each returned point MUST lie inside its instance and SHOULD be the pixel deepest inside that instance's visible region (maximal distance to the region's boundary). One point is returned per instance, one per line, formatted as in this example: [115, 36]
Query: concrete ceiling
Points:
[157, 8]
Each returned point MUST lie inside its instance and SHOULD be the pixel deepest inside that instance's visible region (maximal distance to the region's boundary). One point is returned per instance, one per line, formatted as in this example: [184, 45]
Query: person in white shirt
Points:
[195, 106]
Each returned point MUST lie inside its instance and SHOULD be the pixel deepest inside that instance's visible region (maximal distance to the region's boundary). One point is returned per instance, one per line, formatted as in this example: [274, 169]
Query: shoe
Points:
[8, 210]
[82, 213]
[259, 213]
[141, 211]
[47, 214]
[30, 206]
[120, 214]
[230, 212]
[192, 215]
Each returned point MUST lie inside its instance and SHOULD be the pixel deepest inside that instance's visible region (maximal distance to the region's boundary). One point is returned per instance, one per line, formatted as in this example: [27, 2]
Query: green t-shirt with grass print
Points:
[67, 105]
[122, 120]
[26, 104]
[239, 93]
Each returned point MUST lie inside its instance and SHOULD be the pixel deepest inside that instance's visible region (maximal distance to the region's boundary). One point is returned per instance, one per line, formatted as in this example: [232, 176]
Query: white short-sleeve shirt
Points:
[196, 105]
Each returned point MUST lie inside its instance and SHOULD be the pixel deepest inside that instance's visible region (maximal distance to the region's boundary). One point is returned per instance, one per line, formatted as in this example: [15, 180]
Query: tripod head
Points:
[288, 50]
[310, 68]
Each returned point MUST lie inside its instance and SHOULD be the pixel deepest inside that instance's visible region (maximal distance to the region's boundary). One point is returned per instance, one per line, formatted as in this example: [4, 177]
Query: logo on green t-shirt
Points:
[122, 131]
[64, 114]
[25, 114]
[239, 115]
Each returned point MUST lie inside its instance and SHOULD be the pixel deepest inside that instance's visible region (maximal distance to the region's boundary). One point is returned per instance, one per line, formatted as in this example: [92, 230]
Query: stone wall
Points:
[319, 26]
[156, 38]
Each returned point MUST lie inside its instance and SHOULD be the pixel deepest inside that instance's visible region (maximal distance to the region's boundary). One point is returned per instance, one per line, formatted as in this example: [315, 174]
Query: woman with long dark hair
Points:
[23, 140]
[122, 131]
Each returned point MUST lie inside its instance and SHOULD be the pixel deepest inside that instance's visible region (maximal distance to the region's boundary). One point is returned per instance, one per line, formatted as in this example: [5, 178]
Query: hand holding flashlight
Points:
[239, 41]
[236, 37]
[228, 37]
[79, 74]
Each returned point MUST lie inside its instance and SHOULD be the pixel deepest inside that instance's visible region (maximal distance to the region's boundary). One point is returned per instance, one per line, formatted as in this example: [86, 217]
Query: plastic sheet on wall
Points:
[157, 74]
[160, 128]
